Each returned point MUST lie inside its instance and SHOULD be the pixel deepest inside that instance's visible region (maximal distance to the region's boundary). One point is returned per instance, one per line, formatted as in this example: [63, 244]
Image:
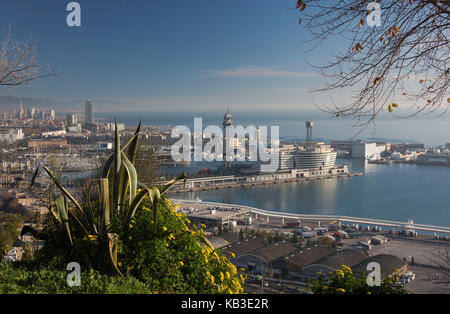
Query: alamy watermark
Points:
[74, 277]
[374, 277]
[238, 143]
[374, 16]
[74, 17]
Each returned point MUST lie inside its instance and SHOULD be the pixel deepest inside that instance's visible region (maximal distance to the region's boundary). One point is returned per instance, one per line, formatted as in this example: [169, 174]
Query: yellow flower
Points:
[130, 238]
[166, 244]
[171, 236]
[340, 290]
[340, 273]
[221, 276]
[131, 226]
[346, 267]
[181, 263]
[164, 228]
[233, 255]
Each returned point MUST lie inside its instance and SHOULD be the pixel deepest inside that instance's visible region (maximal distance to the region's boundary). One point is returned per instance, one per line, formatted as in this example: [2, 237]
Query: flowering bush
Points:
[175, 260]
[342, 281]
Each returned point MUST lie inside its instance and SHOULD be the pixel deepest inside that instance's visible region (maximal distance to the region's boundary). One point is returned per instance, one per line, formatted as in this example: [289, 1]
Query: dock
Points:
[228, 182]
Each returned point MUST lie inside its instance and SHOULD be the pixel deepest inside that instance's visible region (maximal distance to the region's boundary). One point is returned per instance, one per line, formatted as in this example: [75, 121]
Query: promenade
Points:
[293, 217]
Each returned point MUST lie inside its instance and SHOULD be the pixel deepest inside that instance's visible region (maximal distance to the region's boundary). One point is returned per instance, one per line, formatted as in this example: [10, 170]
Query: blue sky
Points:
[171, 54]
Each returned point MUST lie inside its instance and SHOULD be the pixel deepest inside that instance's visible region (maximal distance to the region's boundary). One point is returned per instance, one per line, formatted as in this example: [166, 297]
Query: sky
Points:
[172, 54]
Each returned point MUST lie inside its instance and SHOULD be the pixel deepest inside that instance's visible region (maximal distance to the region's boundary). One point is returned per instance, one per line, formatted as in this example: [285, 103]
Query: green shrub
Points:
[175, 260]
[15, 279]
[343, 281]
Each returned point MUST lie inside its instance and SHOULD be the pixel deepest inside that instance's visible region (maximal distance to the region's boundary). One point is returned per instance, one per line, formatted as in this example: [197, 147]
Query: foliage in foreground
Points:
[133, 231]
[19, 280]
[172, 260]
[343, 281]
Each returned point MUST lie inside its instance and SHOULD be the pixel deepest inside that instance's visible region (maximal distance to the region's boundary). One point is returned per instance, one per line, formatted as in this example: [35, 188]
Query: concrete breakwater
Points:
[231, 182]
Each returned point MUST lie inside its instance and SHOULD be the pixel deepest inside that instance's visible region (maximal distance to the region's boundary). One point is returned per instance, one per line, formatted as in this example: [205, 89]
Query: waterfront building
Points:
[404, 147]
[342, 146]
[319, 156]
[368, 150]
[287, 157]
[434, 159]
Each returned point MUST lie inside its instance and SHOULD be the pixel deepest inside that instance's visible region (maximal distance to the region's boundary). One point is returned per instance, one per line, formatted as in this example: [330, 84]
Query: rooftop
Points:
[388, 263]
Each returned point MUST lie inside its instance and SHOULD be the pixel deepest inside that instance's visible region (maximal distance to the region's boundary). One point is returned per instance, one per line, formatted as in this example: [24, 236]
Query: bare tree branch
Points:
[19, 64]
[404, 62]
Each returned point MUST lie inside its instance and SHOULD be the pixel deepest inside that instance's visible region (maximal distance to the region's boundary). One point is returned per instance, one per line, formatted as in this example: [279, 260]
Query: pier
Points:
[232, 181]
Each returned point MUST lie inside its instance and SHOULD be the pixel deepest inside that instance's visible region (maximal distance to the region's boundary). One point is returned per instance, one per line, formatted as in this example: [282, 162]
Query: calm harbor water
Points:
[397, 192]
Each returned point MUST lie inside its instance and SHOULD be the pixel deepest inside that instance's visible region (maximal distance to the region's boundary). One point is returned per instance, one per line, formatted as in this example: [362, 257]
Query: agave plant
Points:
[116, 201]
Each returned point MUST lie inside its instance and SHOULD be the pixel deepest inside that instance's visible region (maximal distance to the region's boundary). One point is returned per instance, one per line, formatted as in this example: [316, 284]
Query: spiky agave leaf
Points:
[104, 203]
[87, 196]
[168, 185]
[153, 193]
[112, 247]
[155, 198]
[116, 170]
[69, 196]
[131, 178]
[110, 160]
[34, 176]
[63, 212]
[124, 179]
[62, 188]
